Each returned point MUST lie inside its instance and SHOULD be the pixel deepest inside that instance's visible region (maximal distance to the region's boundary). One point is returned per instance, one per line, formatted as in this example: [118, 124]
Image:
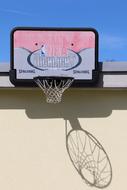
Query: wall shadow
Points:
[75, 104]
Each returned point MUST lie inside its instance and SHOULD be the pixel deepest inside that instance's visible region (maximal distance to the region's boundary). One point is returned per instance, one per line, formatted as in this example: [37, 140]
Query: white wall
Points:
[33, 151]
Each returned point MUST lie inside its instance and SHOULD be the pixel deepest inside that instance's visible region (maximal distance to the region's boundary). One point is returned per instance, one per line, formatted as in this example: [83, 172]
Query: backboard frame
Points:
[30, 82]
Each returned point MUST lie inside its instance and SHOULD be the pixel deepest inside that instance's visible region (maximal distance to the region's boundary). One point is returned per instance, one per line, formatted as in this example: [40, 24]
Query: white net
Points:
[53, 87]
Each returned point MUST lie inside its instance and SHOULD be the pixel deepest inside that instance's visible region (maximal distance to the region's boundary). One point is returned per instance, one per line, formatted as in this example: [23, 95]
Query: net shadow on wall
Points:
[88, 157]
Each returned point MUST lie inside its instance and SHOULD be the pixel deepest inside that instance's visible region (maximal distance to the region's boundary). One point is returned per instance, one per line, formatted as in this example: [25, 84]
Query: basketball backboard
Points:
[65, 52]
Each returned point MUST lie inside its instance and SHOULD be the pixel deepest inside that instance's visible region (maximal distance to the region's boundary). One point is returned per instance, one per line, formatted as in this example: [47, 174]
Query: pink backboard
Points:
[54, 52]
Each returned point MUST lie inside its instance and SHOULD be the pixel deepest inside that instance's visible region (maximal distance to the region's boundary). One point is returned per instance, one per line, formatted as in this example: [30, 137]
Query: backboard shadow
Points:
[75, 103]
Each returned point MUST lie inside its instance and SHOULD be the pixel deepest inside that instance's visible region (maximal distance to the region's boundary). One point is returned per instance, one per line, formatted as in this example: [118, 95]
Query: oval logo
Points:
[39, 60]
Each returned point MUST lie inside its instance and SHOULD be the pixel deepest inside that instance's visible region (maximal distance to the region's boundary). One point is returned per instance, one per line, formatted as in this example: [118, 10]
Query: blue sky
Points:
[107, 17]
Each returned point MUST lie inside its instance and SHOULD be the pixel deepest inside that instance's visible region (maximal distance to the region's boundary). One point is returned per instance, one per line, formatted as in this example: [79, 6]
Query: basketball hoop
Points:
[53, 87]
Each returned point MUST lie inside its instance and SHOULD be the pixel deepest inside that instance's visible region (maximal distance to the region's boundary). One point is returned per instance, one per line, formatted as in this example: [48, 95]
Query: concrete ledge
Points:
[113, 75]
[113, 66]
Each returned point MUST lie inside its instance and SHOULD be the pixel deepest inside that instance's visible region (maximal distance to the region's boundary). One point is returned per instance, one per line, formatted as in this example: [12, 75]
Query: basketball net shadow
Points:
[88, 156]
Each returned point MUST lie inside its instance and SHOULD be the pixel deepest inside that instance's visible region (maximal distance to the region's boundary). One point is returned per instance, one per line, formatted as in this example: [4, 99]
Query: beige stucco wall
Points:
[33, 153]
